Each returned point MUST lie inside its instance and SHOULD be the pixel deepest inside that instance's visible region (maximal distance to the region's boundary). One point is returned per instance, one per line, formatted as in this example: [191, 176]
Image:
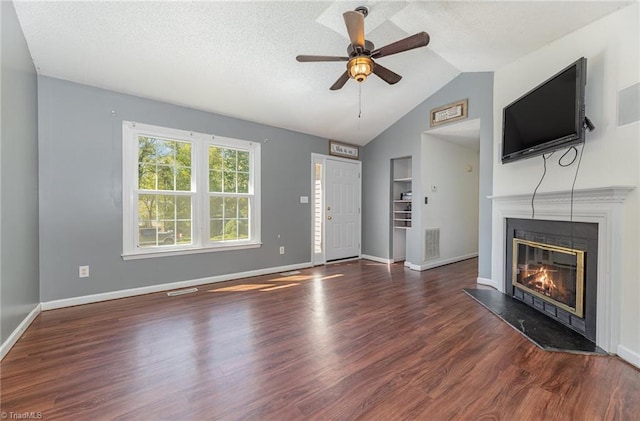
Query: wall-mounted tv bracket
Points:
[588, 124]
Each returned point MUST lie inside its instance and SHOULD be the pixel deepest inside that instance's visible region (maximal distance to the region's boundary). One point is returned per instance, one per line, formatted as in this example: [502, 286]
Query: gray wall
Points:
[19, 287]
[80, 148]
[404, 138]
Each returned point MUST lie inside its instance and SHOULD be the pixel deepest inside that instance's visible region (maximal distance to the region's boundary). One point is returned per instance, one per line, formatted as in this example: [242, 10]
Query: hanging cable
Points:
[533, 209]
[573, 185]
[575, 155]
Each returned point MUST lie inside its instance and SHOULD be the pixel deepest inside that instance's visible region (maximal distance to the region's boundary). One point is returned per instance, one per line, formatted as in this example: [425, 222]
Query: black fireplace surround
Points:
[575, 235]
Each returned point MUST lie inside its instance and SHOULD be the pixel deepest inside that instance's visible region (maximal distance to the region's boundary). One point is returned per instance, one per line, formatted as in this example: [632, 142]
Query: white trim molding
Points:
[95, 298]
[17, 333]
[488, 282]
[628, 355]
[603, 206]
[376, 259]
[442, 262]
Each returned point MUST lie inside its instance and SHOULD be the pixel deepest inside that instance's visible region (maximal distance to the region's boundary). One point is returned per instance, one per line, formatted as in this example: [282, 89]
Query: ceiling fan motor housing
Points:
[360, 67]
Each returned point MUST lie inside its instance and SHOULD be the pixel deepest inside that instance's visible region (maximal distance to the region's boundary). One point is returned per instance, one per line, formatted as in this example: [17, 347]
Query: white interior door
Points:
[342, 209]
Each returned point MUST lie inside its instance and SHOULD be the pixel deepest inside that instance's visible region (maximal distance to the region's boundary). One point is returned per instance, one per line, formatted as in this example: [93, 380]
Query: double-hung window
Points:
[186, 192]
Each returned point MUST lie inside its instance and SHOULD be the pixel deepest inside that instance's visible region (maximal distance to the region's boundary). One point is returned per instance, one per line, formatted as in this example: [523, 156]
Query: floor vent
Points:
[181, 292]
[431, 243]
[291, 273]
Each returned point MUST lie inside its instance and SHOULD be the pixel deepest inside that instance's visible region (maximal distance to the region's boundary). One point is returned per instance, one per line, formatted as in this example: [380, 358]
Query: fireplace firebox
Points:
[552, 273]
[552, 267]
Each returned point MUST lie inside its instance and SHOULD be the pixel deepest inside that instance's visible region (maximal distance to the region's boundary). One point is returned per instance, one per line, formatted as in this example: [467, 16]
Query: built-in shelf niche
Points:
[401, 206]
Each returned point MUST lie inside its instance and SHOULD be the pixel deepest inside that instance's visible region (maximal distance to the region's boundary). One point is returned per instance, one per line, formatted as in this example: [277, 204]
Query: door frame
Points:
[320, 258]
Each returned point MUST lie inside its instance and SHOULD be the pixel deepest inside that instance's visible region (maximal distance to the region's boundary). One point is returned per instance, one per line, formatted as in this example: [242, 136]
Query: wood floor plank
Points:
[355, 340]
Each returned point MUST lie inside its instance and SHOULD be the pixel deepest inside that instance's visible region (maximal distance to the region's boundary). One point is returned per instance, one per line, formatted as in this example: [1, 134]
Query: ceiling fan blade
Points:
[340, 82]
[420, 39]
[385, 74]
[355, 27]
[304, 59]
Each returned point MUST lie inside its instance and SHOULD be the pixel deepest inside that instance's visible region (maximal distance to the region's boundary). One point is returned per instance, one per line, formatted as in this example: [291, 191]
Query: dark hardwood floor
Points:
[357, 340]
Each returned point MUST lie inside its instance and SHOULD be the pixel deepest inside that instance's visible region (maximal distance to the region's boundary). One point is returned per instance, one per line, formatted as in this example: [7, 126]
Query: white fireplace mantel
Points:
[602, 205]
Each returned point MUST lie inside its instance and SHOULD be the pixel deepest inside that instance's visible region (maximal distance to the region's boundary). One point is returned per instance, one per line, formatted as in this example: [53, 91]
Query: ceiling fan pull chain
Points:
[359, 100]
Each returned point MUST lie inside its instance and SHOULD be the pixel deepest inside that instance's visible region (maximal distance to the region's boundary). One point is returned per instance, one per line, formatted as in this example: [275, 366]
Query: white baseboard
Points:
[442, 262]
[628, 355]
[94, 298]
[488, 282]
[376, 259]
[17, 333]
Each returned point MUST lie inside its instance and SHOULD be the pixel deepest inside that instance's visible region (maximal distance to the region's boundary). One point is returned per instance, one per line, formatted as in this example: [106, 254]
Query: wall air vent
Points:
[431, 243]
[181, 292]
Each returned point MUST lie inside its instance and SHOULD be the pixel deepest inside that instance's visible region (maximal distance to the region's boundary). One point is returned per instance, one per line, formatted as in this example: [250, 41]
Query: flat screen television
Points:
[549, 117]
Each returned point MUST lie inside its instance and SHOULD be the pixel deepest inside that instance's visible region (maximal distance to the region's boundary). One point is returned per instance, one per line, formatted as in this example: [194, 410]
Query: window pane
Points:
[183, 232]
[215, 181]
[147, 176]
[243, 182]
[229, 157]
[166, 207]
[168, 232]
[243, 207]
[230, 207]
[230, 229]
[165, 178]
[243, 228]
[183, 154]
[229, 182]
[215, 207]
[165, 152]
[317, 209]
[183, 179]
[146, 149]
[216, 232]
[215, 158]
[183, 207]
[147, 207]
[243, 161]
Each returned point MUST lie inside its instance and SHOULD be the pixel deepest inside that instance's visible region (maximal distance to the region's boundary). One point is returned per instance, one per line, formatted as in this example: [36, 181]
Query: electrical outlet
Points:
[83, 271]
[281, 249]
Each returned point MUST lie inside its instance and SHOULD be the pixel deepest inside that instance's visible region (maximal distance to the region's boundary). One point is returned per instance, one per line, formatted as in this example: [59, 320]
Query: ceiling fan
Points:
[361, 52]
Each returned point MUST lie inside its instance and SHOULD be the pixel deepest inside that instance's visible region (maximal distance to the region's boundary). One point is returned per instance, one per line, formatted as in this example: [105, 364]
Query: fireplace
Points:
[600, 207]
[554, 274]
[552, 266]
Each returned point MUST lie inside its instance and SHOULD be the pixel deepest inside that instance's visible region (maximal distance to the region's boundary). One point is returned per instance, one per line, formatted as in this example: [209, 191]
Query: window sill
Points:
[180, 252]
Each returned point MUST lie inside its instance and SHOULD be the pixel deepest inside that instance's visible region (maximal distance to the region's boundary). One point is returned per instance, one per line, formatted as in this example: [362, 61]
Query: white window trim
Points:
[200, 220]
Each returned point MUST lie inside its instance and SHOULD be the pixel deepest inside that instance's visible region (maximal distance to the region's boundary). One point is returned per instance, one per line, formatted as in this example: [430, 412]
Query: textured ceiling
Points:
[238, 58]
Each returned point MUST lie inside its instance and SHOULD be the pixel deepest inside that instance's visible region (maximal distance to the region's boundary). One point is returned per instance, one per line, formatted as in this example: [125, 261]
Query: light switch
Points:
[304, 199]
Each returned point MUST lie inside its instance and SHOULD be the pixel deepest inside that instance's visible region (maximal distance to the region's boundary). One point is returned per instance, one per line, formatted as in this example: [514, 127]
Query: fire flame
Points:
[542, 282]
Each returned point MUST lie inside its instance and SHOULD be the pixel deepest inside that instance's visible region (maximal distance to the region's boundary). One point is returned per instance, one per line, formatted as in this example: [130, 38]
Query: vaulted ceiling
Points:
[237, 58]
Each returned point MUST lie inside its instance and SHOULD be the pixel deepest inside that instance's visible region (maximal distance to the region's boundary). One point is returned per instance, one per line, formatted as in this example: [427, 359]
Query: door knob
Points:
[329, 218]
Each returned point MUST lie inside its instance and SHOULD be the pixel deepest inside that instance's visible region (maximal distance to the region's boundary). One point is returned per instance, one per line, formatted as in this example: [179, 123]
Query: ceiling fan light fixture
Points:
[359, 68]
